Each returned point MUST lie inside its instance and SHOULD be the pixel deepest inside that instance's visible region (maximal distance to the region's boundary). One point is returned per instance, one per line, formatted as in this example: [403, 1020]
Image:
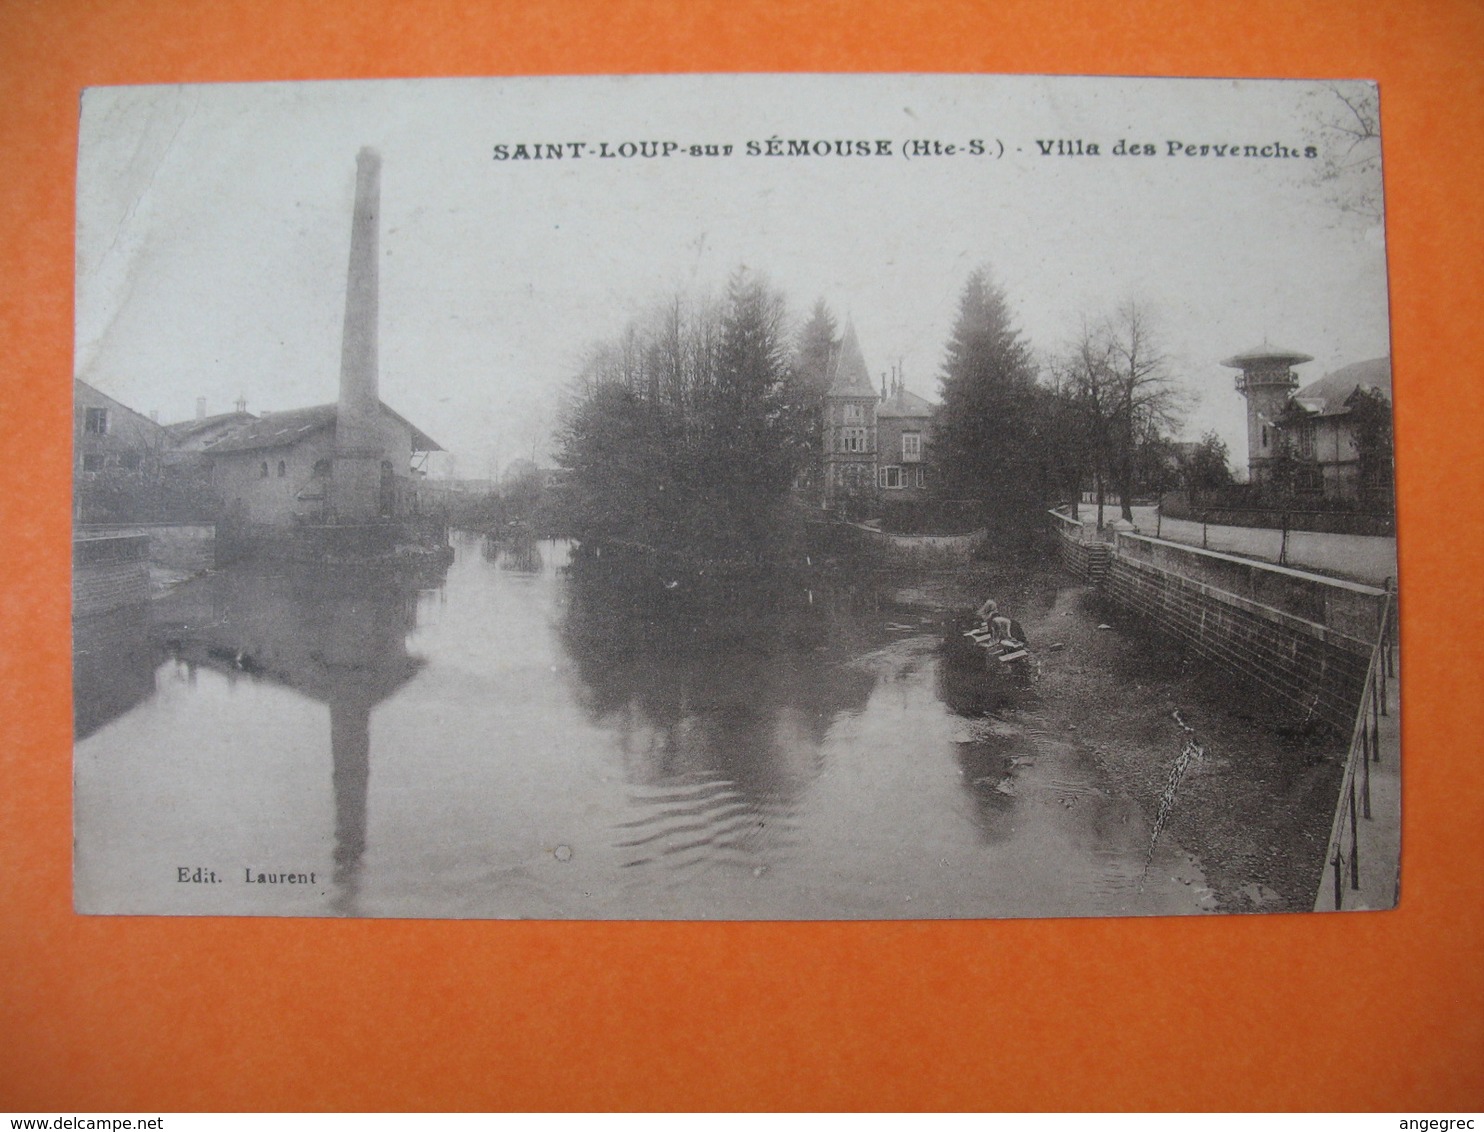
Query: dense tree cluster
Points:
[1015, 440]
[687, 431]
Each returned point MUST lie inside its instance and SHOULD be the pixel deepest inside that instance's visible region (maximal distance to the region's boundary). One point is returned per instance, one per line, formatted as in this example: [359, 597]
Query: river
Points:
[525, 738]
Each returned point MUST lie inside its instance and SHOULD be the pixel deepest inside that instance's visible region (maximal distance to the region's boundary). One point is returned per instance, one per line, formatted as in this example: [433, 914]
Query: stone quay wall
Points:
[109, 572]
[1302, 640]
[190, 547]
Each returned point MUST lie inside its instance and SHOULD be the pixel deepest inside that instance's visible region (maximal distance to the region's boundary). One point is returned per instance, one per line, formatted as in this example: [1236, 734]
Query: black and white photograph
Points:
[720, 497]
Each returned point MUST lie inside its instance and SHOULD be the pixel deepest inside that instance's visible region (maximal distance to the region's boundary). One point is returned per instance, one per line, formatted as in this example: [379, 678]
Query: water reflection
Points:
[113, 666]
[525, 736]
[720, 700]
[337, 635]
[519, 553]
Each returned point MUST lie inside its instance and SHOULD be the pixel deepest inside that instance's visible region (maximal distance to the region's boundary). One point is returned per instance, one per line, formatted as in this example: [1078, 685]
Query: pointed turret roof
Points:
[851, 378]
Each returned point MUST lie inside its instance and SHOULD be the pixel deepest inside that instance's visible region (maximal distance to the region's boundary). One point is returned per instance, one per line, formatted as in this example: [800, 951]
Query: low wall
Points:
[1376, 524]
[1302, 640]
[109, 572]
[190, 547]
[1347, 608]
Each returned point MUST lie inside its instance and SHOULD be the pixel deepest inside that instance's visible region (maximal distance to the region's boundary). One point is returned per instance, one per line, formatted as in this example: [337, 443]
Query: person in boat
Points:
[999, 627]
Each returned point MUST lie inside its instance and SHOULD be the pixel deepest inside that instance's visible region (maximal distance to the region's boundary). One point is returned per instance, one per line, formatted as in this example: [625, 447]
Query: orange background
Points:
[1353, 1012]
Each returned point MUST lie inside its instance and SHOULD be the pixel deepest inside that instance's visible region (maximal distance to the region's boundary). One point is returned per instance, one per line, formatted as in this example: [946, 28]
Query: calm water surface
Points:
[524, 738]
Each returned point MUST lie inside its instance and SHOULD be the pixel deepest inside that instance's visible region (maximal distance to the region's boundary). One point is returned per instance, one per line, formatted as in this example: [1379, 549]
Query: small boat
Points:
[968, 644]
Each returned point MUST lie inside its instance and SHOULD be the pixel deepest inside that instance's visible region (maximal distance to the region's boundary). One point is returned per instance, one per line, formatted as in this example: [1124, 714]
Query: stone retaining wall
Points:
[1308, 669]
[1344, 607]
[1302, 640]
[190, 547]
[109, 573]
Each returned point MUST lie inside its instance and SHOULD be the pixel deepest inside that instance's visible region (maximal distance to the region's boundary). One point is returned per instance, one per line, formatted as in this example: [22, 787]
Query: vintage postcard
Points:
[734, 497]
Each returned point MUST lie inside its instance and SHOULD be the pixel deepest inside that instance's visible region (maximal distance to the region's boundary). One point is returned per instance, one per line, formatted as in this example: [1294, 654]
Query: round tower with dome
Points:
[1267, 381]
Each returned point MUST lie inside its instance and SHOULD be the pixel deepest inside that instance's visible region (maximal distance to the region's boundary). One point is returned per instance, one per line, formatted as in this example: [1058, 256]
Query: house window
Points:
[130, 461]
[95, 422]
[1306, 442]
[282, 469]
[911, 447]
[854, 412]
[854, 440]
[918, 478]
[263, 470]
[1264, 436]
[891, 476]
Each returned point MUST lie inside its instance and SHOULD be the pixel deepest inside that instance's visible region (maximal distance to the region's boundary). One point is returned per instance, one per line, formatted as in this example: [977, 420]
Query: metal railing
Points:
[1343, 853]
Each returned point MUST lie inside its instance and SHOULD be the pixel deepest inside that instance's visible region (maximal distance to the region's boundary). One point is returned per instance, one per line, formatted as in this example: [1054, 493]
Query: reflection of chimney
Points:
[358, 441]
[200, 408]
[350, 778]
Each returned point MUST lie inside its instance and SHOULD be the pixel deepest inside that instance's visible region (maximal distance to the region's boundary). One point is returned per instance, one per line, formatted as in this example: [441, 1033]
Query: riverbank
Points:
[1254, 808]
[1252, 811]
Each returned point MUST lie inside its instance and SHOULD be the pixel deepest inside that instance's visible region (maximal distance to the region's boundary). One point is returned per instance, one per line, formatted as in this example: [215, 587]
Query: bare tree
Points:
[1115, 382]
[1348, 124]
[1146, 401]
[1083, 389]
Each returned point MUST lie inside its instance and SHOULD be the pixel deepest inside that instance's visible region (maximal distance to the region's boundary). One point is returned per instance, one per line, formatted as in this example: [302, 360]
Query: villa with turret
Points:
[1316, 431]
[875, 442]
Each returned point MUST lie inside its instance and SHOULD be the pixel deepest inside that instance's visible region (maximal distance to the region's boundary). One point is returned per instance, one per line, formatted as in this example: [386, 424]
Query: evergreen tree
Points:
[681, 434]
[818, 347]
[987, 443]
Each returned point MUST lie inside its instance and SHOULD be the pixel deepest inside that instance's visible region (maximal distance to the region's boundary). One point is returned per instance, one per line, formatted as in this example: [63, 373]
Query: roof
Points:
[851, 378]
[905, 404]
[1266, 353]
[89, 396]
[1331, 394]
[184, 430]
[292, 425]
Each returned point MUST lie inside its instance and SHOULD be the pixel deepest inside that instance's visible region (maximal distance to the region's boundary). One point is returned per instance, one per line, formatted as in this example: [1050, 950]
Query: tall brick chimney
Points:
[359, 446]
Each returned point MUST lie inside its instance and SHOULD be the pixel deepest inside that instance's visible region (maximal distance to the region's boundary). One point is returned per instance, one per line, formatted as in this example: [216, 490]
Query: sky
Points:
[214, 230]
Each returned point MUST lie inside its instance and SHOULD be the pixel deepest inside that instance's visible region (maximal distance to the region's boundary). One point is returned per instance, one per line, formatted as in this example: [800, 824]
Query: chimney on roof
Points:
[200, 408]
[358, 440]
[241, 403]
